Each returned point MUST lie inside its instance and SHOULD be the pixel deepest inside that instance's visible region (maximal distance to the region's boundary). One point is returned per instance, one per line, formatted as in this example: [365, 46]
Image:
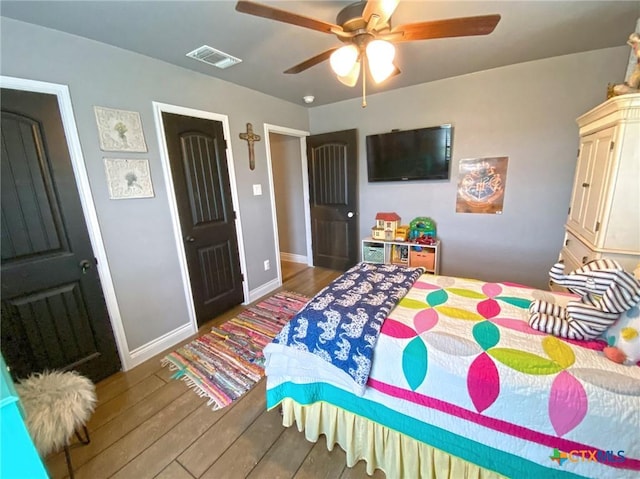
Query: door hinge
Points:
[569, 212]
[611, 145]
[578, 152]
[598, 226]
[233, 215]
[242, 277]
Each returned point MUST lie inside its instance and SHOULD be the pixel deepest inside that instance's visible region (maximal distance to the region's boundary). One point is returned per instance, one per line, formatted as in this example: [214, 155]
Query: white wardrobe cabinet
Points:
[604, 213]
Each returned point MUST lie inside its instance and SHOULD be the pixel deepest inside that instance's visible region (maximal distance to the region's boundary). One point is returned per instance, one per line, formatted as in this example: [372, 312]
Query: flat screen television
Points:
[405, 155]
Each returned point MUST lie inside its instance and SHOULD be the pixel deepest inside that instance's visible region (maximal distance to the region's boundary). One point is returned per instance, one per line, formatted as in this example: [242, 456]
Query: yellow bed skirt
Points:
[399, 456]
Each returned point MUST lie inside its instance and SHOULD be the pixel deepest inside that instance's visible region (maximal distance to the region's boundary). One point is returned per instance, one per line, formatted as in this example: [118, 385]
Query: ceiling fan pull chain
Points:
[364, 81]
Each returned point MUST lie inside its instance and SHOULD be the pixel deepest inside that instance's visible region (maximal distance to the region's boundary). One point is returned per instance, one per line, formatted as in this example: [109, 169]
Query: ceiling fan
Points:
[365, 29]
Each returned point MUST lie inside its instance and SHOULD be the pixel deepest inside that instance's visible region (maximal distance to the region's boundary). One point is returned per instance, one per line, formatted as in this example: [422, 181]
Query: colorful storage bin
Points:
[373, 253]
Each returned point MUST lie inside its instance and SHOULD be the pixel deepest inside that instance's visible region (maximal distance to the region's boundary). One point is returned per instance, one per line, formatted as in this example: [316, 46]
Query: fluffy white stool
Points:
[57, 404]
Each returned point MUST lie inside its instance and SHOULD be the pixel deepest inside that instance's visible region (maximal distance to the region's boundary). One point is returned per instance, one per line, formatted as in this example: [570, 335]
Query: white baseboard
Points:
[163, 343]
[263, 290]
[294, 258]
[158, 345]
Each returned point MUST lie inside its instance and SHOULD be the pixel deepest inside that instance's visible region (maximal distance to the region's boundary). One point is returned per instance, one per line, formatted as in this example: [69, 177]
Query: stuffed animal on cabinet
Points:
[632, 84]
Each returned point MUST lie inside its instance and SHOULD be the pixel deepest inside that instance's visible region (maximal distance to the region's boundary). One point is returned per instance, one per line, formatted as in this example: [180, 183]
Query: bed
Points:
[457, 385]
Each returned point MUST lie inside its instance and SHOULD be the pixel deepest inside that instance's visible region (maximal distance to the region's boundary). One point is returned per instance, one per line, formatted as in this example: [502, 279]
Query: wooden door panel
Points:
[197, 156]
[216, 263]
[328, 165]
[55, 329]
[200, 158]
[333, 194]
[53, 310]
[30, 223]
[332, 239]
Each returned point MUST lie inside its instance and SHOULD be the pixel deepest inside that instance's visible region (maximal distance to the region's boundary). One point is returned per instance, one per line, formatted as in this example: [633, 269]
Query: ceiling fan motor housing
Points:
[350, 18]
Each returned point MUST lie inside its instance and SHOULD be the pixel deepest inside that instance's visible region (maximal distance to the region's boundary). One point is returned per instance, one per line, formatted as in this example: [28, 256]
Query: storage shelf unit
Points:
[402, 252]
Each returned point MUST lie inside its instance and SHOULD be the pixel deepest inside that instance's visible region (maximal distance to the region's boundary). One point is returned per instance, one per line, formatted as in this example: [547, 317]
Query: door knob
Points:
[350, 214]
[190, 239]
[85, 265]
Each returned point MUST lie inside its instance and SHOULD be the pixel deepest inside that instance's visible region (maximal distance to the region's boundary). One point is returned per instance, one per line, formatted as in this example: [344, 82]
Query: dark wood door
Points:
[333, 193]
[197, 154]
[54, 314]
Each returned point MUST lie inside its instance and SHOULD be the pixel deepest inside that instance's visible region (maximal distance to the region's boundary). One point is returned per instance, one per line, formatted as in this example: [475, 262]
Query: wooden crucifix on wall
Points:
[250, 137]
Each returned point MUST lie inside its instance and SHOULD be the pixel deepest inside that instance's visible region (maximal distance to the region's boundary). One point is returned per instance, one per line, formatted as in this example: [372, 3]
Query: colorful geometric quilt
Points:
[457, 366]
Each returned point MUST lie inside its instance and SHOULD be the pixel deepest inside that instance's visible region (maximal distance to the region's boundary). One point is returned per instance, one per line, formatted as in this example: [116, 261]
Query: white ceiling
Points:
[167, 30]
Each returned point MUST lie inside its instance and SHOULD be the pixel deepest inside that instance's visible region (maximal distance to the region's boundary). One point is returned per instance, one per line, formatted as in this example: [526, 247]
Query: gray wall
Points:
[138, 233]
[286, 166]
[526, 112]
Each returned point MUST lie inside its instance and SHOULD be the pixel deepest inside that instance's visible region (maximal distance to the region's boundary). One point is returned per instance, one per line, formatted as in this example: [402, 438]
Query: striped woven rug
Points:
[225, 363]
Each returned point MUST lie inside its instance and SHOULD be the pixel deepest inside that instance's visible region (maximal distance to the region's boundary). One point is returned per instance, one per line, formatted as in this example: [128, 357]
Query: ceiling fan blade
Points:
[453, 27]
[383, 9]
[284, 16]
[300, 67]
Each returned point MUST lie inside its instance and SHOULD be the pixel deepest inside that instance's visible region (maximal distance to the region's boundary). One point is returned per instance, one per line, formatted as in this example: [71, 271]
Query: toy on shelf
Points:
[426, 240]
[402, 233]
[422, 230]
[386, 226]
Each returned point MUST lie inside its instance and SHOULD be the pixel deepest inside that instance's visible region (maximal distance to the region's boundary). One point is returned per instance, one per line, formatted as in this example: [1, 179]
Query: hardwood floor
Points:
[289, 269]
[147, 425]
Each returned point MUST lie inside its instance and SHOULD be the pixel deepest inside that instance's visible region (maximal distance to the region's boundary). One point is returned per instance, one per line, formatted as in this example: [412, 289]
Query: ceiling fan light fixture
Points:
[380, 73]
[351, 78]
[380, 54]
[343, 60]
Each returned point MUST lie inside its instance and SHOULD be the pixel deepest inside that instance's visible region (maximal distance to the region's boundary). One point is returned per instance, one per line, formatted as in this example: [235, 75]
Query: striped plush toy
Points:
[606, 289]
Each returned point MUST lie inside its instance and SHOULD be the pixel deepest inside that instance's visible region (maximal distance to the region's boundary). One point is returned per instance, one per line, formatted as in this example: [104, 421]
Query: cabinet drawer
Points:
[570, 263]
[425, 258]
[579, 252]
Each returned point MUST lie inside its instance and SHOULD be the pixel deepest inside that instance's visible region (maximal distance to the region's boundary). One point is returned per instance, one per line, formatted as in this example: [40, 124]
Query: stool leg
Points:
[86, 440]
[67, 455]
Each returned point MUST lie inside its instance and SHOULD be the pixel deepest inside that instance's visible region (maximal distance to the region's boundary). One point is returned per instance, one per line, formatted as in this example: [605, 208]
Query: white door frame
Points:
[86, 200]
[302, 136]
[158, 109]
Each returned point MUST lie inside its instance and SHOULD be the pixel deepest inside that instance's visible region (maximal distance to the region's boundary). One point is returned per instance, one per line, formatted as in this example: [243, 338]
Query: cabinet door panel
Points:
[583, 172]
[596, 197]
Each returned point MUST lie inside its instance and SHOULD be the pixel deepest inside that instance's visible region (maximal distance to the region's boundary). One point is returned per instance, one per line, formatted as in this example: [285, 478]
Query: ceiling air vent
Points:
[213, 57]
